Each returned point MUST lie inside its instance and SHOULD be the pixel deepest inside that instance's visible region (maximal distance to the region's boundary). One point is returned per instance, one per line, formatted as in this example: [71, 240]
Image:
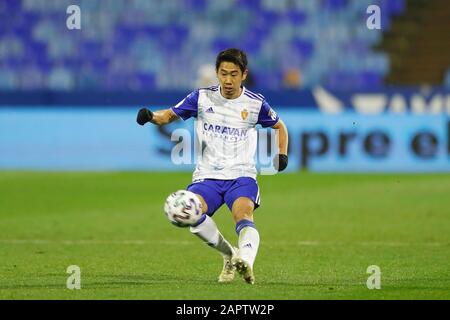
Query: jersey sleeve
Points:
[188, 107]
[267, 116]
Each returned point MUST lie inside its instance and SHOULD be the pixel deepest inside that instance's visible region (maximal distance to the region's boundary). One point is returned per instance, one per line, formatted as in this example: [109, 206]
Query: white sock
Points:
[248, 244]
[210, 234]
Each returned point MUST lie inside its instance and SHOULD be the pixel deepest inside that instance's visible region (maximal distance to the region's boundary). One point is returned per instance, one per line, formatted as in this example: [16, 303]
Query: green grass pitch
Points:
[319, 233]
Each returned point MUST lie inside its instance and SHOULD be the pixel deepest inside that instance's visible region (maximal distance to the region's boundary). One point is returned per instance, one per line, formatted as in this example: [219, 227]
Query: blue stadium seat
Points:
[161, 44]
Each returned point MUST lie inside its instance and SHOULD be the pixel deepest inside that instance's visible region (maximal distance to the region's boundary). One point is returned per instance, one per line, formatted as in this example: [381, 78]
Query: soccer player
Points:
[225, 173]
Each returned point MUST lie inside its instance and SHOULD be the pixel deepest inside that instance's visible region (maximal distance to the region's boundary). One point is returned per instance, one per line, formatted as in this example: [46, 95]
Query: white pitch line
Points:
[271, 243]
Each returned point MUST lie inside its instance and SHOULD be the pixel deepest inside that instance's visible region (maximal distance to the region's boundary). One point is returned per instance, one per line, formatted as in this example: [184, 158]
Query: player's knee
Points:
[204, 205]
[243, 209]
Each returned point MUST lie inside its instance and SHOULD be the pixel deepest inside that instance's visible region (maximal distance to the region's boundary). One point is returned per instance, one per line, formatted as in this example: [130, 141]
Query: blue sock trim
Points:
[244, 223]
[202, 218]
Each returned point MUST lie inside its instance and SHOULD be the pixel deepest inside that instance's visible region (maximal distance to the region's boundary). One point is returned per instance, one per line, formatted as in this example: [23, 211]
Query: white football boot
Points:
[227, 274]
[244, 269]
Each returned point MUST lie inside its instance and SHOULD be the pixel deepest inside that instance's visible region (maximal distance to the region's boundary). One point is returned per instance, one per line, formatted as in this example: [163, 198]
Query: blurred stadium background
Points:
[355, 100]
[146, 45]
[313, 56]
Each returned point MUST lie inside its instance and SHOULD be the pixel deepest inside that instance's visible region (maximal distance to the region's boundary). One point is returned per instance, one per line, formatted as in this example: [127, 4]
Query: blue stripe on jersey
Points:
[252, 96]
[259, 97]
[188, 107]
[267, 117]
[256, 94]
[212, 88]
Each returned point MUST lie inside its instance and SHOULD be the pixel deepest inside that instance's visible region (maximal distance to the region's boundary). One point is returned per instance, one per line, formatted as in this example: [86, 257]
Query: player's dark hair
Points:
[236, 56]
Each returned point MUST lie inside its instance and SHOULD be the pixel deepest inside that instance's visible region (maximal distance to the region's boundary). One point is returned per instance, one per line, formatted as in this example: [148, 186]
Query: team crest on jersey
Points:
[244, 114]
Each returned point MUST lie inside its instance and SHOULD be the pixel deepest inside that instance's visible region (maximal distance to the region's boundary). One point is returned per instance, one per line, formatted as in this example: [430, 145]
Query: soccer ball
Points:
[183, 208]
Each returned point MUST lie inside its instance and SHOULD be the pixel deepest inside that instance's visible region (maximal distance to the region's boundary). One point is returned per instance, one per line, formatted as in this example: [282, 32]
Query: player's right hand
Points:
[144, 116]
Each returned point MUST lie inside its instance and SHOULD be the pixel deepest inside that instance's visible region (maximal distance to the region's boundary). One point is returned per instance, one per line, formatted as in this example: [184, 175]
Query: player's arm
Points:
[185, 109]
[158, 117]
[268, 118]
[281, 159]
[282, 136]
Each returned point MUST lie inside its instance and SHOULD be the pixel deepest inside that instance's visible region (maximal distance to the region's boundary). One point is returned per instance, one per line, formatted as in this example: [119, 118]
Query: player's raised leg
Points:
[206, 229]
[242, 210]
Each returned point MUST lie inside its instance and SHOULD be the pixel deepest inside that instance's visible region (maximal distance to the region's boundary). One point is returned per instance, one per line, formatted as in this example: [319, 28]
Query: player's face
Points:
[230, 78]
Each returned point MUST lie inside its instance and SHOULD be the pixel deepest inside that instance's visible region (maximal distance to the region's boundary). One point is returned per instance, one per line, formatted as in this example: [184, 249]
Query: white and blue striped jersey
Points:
[225, 131]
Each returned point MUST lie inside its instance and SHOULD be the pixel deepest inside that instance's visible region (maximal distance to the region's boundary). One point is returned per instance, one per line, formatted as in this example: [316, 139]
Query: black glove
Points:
[144, 116]
[280, 162]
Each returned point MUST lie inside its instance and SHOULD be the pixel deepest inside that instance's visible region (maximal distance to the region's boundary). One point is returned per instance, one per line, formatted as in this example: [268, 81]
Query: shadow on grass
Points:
[105, 281]
[110, 281]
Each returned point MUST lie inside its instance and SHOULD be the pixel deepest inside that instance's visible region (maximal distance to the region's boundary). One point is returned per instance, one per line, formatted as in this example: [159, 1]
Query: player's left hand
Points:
[280, 162]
